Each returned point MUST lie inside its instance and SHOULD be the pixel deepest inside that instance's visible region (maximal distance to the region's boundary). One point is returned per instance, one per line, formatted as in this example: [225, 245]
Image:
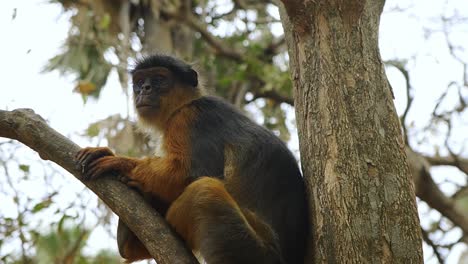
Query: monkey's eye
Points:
[157, 80]
[137, 86]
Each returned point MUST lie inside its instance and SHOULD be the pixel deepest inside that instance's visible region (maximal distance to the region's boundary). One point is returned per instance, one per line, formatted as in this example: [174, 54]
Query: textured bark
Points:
[163, 34]
[163, 244]
[157, 33]
[362, 202]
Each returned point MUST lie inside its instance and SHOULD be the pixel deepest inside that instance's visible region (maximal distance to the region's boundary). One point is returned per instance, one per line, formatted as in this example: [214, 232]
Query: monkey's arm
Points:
[30, 129]
[162, 177]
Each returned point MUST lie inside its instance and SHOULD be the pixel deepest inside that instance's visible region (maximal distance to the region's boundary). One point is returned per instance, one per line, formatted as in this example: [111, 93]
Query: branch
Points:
[434, 247]
[428, 191]
[162, 243]
[460, 163]
[220, 47]
[185, 16]
[273, 95]
[400, 65]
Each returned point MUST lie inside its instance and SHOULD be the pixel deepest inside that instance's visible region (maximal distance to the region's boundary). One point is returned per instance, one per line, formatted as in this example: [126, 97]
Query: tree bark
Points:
[362, 202]
[163, 34]
[162, 243]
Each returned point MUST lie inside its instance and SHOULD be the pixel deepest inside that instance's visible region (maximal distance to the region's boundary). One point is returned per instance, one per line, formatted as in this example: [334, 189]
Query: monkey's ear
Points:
[192, 78]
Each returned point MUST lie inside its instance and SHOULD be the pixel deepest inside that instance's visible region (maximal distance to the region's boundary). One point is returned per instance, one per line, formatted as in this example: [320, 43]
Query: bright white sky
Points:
[39, 29]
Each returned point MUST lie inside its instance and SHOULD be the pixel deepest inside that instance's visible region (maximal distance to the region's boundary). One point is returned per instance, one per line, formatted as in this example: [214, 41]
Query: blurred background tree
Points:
[239, 48]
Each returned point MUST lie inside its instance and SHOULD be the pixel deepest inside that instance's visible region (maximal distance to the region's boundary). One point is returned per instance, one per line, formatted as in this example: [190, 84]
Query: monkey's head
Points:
[161, 84]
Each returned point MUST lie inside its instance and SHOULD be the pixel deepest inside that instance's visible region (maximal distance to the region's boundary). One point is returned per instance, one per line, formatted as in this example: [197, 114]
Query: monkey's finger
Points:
[83, 152]
[93, 156]
[89, 172]
[100, 166]
[79, 154]
[106, 161]
[78, 157]
[93, 173]
[134, 184]
[123, 178]
[96, 172]
[85, 156]
[81, 160]
[93, 153]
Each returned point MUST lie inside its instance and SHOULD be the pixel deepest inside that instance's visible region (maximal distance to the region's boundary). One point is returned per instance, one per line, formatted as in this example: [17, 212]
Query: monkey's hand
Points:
[94, 162]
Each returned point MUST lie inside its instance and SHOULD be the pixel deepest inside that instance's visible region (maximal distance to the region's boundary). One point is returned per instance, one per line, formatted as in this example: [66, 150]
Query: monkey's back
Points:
[259, 171]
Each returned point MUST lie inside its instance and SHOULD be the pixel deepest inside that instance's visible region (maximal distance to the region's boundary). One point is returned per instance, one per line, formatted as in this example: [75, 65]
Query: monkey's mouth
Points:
[146, 109]
[144, 106]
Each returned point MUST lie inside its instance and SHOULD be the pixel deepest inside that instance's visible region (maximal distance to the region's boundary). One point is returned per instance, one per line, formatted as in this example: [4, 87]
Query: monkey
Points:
[229, 187]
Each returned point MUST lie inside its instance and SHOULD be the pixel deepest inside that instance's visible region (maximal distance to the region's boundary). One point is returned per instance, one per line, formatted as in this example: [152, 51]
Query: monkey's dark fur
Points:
[231, 188]
[178, 67]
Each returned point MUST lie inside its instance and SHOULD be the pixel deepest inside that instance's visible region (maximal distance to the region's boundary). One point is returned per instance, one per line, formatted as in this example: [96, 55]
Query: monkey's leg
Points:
[211, 222]
[130, 246]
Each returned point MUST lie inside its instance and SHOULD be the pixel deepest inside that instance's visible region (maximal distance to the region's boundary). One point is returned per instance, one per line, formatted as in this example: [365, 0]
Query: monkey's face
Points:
[149, 86]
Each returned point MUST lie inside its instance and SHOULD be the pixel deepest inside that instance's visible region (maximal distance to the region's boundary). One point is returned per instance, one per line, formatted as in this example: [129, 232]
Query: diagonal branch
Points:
[434, 247]
[216, 43]
[162, 243]
[428, 191]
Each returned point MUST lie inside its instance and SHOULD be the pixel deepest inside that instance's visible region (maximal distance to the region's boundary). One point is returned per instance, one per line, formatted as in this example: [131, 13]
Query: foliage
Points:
[43, 226]
[83, 53]
[235, 63]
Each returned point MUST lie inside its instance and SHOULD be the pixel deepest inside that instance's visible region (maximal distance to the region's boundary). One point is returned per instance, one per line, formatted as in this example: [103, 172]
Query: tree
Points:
[353, 154]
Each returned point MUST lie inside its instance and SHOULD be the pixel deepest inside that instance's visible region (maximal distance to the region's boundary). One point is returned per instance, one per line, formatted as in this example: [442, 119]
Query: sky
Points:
[39, 29]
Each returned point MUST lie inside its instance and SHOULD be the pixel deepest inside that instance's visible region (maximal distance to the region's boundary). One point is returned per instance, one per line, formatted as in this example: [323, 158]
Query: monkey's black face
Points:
[148, 87]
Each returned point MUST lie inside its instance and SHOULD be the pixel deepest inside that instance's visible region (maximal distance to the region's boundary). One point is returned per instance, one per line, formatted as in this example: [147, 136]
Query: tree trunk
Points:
[164, 35]
[362, 202]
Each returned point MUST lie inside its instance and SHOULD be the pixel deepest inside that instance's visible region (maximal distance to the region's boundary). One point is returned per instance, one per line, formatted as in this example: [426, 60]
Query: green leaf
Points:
[60, 223]
[93, 130]
[24, 167]
[42, 205]
[105, 22]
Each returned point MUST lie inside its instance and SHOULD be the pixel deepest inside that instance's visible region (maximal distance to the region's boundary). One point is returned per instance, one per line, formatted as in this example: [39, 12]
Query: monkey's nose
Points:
[146, 88]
